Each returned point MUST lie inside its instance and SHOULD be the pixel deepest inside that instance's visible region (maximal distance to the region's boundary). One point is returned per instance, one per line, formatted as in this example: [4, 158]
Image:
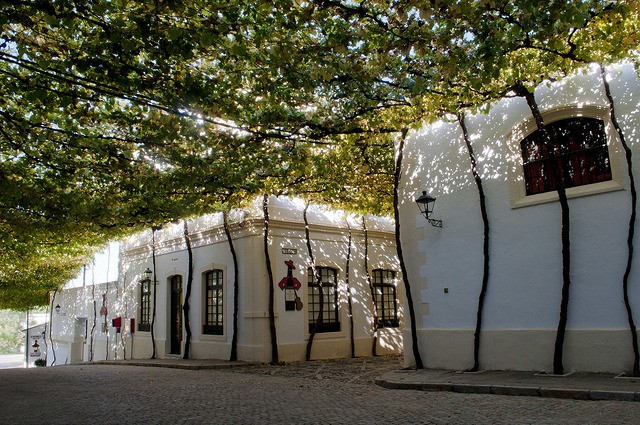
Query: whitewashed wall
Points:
[77, 331]
[522, 304]
[329, 234]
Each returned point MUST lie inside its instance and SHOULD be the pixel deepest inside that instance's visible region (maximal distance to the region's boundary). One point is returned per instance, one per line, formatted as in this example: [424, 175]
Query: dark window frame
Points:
[329, 290]
[579, 149]
[213, 302]
[144, 325]
[385, 298]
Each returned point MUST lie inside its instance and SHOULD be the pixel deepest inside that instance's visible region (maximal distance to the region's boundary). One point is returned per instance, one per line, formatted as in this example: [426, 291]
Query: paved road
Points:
[303, 393]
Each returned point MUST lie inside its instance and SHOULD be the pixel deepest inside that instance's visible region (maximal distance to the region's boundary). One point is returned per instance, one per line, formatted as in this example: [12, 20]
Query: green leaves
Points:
[117, 116]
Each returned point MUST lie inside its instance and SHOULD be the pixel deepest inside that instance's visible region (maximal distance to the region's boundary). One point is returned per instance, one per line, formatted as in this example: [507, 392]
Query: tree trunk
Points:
[316, 277]
[374, 346]
[236, 290]
[272, 313]
[632, 224]
[485, 244]
[405, 277]
[558, 368]
[186, 308]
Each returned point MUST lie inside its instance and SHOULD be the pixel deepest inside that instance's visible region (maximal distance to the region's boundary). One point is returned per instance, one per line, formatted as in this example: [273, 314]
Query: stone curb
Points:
[185, 366]
[566, 393]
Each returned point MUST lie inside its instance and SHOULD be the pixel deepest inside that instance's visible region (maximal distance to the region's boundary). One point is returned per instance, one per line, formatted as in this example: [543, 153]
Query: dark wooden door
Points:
[175, 315]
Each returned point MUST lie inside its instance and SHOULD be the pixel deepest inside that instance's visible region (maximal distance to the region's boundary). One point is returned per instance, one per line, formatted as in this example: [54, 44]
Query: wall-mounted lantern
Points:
[147, 275]
[59, 310]
[425, 204]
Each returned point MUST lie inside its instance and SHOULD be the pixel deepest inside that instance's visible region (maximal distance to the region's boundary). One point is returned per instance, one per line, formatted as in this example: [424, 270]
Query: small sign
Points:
[289, 294]
[290, 251]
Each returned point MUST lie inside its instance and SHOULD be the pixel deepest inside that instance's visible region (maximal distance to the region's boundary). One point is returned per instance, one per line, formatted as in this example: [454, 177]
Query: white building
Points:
[522, 303]
[84, 329]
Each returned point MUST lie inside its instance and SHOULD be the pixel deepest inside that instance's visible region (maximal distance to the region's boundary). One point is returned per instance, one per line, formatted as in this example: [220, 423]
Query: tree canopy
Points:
[119, 115]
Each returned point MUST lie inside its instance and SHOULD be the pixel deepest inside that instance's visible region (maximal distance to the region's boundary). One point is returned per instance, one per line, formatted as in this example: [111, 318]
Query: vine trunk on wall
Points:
[485, 244]
[272, 313]
[153, 308]
[349, 300]
[236, 290]
[558, 368]
[316, 276]
[186, 308]
[374, 310]
[53, 348]
[405, 276]
[632, 223]
[105, 324]
[95, 313]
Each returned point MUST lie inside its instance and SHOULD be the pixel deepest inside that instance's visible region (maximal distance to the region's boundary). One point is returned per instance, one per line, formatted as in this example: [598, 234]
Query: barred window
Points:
[579, 151]
[327, 291]
[214, 303]
[145, 306]
[384, 290]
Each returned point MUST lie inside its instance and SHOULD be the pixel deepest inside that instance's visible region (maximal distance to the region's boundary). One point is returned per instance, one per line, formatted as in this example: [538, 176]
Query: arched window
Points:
[578, 148]
[214, 303]
[328, 292]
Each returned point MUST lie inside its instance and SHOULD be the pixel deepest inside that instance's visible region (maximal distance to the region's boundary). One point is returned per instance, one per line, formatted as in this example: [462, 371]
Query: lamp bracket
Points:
[435, 223]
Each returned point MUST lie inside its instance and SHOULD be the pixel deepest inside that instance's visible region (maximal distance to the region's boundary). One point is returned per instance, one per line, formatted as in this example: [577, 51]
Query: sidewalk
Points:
[386, 372]
[579, 386]
[175, 363]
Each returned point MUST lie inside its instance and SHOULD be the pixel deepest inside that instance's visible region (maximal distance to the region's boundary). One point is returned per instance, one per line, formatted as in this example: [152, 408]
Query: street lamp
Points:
[425, 205]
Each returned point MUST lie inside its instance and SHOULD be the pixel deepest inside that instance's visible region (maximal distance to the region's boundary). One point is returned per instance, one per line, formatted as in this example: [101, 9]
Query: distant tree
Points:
[11, 335]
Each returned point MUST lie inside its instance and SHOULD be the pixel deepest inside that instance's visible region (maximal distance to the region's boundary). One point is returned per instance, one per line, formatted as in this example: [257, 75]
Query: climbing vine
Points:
[316, 276]
[632, 222]
[405, 276]
[267, 257]
[236, 288]
[485, 243]
[186, 308]
[349, 297]
[558, 366]
[374, 310]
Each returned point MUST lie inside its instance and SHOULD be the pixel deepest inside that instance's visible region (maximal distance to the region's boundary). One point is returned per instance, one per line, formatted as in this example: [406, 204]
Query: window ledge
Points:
[572, 192]
[327, 335]
[213, 338]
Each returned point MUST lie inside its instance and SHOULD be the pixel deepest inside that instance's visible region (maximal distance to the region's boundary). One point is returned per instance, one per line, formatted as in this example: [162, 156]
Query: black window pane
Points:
[326, 293]
[384, 291]
[144, 323]
[214, 299]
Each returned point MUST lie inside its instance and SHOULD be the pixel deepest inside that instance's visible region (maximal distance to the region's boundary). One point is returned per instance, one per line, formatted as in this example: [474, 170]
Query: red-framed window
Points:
[578, 149]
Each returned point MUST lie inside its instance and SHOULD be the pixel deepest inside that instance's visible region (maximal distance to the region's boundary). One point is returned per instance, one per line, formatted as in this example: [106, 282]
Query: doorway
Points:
[175, 315]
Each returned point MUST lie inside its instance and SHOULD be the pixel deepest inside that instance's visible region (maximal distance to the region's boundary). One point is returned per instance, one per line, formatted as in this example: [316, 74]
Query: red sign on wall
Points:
[289, 281]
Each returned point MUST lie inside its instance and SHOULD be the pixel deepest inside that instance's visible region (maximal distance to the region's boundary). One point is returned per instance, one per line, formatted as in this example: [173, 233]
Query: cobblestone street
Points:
[320, 392]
